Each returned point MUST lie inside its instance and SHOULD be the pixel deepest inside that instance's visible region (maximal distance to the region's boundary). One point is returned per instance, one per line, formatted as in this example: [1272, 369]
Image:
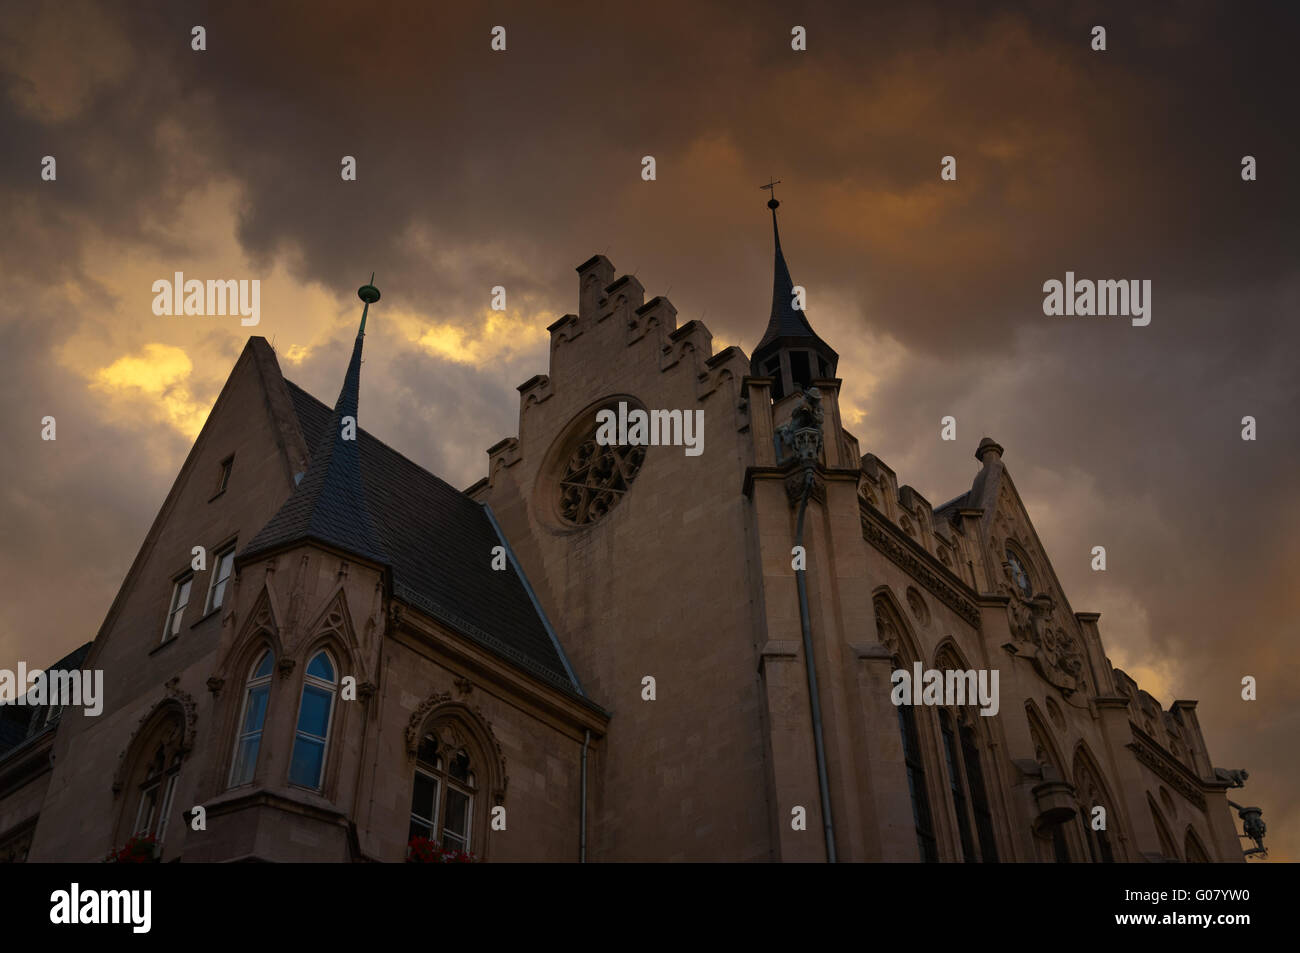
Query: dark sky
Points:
[478, 169]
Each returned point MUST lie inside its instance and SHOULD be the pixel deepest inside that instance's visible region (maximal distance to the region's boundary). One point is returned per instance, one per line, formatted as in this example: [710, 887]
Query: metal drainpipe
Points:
[582, 835]
[814, 699]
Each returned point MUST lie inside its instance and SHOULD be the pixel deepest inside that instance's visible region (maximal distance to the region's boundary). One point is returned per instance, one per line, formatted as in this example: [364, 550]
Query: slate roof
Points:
[437, 544]
[327, 504]
[15, 720]
[785, 321]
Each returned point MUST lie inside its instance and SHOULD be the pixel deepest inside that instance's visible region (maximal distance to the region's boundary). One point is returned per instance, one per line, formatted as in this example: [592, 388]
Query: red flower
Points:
[138, 850]
[422, 850]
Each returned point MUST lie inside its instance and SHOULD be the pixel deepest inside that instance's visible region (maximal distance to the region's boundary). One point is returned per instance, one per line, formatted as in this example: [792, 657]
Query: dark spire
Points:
[790, 350]
[785, 321]
[329, 504]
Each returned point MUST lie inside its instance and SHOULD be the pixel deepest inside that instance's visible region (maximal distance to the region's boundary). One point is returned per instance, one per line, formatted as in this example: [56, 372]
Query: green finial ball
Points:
[368, 293]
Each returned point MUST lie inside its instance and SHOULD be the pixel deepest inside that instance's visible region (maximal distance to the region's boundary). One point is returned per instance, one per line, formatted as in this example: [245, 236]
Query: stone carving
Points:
[918, 568]
[798, 480]
[1055, 714]
[1170, 771]
[180, 736]
[458, 728]
[917, 605]
[1037, 637]
[596, 477]
[866, 493]
[1042, 753]
[886, 631]
[418, 717]
[801, 438]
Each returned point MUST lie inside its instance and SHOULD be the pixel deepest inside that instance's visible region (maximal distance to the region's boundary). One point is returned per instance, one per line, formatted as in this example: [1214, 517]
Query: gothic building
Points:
[600, 651]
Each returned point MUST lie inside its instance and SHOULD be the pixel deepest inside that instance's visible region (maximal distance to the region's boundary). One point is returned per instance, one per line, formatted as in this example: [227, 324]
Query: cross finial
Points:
[772, 203]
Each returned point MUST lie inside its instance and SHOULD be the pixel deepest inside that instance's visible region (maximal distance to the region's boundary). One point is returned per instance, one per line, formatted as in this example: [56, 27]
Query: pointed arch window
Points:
[966, 774]
[442, 801]
[315, 713]
[1162, 832]
[153, 777]
[957, 786]
[1091, 797]
[252, 717]
[1192, 849]
[1018, 569]
[921, 817]
[979, 793]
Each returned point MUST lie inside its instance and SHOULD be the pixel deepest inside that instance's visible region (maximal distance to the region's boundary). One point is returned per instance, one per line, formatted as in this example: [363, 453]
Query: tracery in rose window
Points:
[596, 477]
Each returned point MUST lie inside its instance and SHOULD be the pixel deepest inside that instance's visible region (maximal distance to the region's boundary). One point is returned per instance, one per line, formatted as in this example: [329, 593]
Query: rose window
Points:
[595, 478]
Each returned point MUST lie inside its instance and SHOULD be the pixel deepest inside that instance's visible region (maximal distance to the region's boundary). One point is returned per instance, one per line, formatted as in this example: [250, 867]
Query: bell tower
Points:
[790, 352]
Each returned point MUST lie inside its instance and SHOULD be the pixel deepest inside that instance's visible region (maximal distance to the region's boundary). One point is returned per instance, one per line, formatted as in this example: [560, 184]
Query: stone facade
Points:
[679, 581]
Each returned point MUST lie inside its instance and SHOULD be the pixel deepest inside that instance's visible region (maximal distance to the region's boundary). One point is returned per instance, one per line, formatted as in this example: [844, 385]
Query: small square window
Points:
[180, 599]
[222, 561]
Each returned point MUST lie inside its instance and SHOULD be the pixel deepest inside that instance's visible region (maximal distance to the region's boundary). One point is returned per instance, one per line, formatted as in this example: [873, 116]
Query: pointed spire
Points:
[784, 321]
[790, 351]
[329, 503]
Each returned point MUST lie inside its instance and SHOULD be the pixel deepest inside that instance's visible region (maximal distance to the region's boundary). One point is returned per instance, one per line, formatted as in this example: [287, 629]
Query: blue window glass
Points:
[257, 696]
[311, 737]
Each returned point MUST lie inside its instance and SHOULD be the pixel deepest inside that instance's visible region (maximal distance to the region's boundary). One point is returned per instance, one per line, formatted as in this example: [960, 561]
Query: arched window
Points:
[1047, 825]
[157, 790]
[965, 772]
[893, 632]
[1017, 567]
[1192, 849]
[152, 777]
[956, 785]
[315, 712]
[1162, 832]
[1091, 796]
[252, 716]
[979, 794]
[921, 817]
[442, 801]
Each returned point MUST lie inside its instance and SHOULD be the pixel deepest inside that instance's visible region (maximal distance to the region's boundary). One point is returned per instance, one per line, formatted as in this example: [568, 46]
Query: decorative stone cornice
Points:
[904, 554]
[1149, 752]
